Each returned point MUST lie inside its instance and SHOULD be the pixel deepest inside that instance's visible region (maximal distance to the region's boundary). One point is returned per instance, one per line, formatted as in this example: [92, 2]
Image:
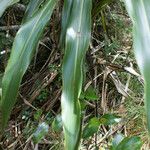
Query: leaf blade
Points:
[139, 13]
[129, 143]
[77, 42]
[65, 20]
[21, 55]
[6, 3]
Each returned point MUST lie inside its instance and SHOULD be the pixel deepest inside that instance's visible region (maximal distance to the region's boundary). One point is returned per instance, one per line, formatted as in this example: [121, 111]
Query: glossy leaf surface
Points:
[77, 42]
[139, 13]
[67, 7]
[32, 8]
[21, 54]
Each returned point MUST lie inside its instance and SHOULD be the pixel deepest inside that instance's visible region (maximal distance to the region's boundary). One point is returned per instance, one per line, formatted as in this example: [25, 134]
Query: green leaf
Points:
[109, 119]
[67, 7]
[78, 34]
[132, 143]
[83, 105]
[91, 128]
[117, 139]
[99, 6]
[32, 8]
[139, 13]
[57, 124]
[41, 132]
[1, 76]
[90, 94]
[6, 3]
[38, 114]
[22, 52]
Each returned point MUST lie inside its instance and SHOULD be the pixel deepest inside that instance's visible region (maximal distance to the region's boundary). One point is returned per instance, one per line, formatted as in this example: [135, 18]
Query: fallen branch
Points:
[13, 27]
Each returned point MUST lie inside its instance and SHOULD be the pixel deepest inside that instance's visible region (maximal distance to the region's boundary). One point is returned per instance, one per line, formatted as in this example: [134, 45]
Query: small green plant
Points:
[41, 131]
[43, 95]
[127, 143]
[93, 125]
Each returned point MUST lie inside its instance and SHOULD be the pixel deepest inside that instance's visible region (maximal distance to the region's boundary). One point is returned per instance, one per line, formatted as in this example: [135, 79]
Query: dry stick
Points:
[51, 103]
[45, 84]
[13, 126]
[104, 90]
[36, 147]
[13, 27]
[108, 134]
[27, 102]
[95, 83]
[47, 80]
[27, 142]
[96, 105]
[46, 39]
[47, 61]
[21, 144]
[90, 82]
[126, 88]
[12, 145]
[120, 87]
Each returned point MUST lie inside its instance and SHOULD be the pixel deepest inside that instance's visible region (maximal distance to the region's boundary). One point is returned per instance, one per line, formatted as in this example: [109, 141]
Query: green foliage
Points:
[65, 20]
[127, 143]
[139, 13]
[38, 114]
[78, 32]
[91, 128]
[43, 95]
[109, 119]
[31, 124]
[22, 51]
[93, 125]
[57, 124]
[90, 94]
[98, 8]
[75, 39]
[40, 133]
[117, 139]
[32, 8]
[110, 48]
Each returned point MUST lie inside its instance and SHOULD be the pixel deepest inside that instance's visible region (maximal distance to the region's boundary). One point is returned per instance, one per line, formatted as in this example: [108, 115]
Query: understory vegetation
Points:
[106, 83]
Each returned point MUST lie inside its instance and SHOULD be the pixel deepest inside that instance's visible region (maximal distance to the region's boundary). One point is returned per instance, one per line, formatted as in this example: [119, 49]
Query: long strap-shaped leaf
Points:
[139, 11]
[77, 42]
[3, 5]
[67, 7]
[31, 9]
[6, 3]
[21, 55]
